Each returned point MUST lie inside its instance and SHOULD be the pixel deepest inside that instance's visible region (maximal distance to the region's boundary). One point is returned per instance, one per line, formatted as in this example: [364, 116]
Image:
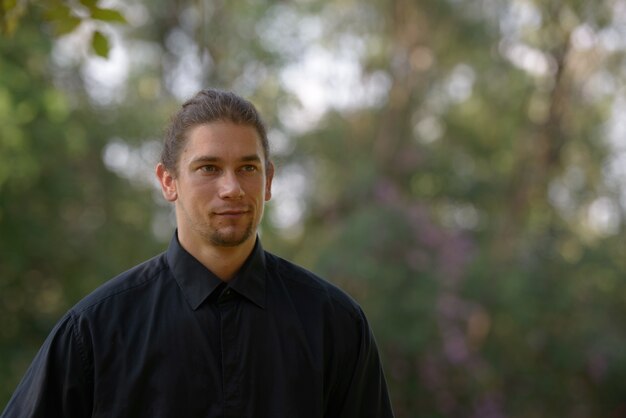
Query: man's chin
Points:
[229, 240]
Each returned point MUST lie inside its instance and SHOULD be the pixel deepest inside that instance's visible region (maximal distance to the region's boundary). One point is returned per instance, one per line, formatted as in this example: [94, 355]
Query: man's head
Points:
[210, 105]
[216, 170]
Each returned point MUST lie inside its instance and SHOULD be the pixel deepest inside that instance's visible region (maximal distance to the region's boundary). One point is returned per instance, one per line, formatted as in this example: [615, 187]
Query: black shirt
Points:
[169, 339]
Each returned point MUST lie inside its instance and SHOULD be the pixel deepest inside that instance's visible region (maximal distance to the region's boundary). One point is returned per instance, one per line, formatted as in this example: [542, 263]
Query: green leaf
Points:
[63, 26]
[89, 3]
[57, 11]
[100, 44]
[61, 17]
[107, 15]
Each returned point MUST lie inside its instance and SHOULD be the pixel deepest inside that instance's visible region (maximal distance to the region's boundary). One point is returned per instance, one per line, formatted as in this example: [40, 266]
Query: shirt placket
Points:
[228, 304]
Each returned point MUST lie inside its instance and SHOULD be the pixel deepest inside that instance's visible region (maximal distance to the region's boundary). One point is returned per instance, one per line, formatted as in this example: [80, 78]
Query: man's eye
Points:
[208, 169]
[249, 168]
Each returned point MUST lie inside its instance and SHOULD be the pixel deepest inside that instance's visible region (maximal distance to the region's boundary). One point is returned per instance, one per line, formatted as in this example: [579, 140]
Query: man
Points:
[215, 326]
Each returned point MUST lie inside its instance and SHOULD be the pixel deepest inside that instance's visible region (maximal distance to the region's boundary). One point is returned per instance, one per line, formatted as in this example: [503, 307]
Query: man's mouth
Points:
[231, 212]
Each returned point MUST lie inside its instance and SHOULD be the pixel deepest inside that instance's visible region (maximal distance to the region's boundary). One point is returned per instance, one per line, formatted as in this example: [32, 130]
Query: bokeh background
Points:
[458, 166]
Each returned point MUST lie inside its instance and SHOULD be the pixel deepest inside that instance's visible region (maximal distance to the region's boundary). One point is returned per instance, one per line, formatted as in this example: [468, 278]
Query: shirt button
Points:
[228, 292]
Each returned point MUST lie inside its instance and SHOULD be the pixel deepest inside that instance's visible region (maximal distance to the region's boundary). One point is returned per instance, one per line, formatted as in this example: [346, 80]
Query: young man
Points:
[215, 326]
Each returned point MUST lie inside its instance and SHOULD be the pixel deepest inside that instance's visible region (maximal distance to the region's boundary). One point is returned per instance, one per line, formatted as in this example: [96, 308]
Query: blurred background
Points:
[458, 166]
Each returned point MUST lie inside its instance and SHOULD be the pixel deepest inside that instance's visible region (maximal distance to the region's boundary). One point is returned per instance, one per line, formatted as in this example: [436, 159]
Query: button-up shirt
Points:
[169, 339]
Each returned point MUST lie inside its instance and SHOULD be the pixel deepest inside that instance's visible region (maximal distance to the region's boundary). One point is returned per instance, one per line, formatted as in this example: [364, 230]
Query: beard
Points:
[219, 231]
[230, 235]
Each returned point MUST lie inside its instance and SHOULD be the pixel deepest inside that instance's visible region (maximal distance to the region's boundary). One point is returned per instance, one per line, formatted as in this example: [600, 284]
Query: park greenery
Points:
[459, 167]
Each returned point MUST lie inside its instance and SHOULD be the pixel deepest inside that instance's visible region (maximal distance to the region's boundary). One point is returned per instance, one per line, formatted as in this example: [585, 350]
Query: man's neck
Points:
[224, 262]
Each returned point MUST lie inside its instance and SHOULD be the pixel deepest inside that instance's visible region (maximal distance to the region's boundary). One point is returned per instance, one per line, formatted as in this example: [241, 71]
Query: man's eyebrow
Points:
[251, 158]
[212, 159]
[204, 159]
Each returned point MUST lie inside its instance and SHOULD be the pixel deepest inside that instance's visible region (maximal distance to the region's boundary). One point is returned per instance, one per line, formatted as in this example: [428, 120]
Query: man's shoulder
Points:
[133, 279]
[295, 275]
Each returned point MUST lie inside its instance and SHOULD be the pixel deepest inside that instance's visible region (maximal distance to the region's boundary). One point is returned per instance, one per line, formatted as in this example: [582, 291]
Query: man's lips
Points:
[231, 212]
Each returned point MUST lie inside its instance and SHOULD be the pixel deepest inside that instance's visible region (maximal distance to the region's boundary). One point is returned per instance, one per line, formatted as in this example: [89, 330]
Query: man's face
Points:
[221, 185]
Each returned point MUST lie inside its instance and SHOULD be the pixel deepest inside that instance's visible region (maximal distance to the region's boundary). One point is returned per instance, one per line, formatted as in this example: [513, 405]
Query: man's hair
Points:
[210, 105]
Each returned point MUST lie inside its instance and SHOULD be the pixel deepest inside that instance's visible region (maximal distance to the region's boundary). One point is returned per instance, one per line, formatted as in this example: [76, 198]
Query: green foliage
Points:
[64, 17]
[60, 208]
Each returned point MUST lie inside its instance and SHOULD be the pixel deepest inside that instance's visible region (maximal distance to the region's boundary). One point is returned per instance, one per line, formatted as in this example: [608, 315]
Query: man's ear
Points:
[269, 176]
[167, 182]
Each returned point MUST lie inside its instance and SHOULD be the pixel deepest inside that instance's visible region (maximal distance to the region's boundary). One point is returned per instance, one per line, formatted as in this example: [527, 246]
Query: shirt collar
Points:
[251, 279]
[197, 282]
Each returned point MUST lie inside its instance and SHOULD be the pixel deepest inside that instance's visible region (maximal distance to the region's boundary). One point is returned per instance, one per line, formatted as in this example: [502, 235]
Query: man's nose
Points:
[229, 186]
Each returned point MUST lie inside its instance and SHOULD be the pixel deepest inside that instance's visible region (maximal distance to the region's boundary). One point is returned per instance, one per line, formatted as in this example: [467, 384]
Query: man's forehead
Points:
[223, 125]
[213, 142]
[224, 132]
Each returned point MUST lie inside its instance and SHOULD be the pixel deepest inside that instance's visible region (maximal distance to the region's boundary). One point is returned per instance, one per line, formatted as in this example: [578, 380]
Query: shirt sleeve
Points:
[56, 383]
[361, 389]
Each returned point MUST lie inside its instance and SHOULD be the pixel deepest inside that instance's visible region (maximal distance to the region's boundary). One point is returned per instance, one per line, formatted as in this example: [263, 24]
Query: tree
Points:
[63, 17]
[63, 212]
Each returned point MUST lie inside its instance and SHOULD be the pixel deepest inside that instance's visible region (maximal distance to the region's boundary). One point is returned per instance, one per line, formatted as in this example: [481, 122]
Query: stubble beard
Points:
[218, 233]
[230, 235]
